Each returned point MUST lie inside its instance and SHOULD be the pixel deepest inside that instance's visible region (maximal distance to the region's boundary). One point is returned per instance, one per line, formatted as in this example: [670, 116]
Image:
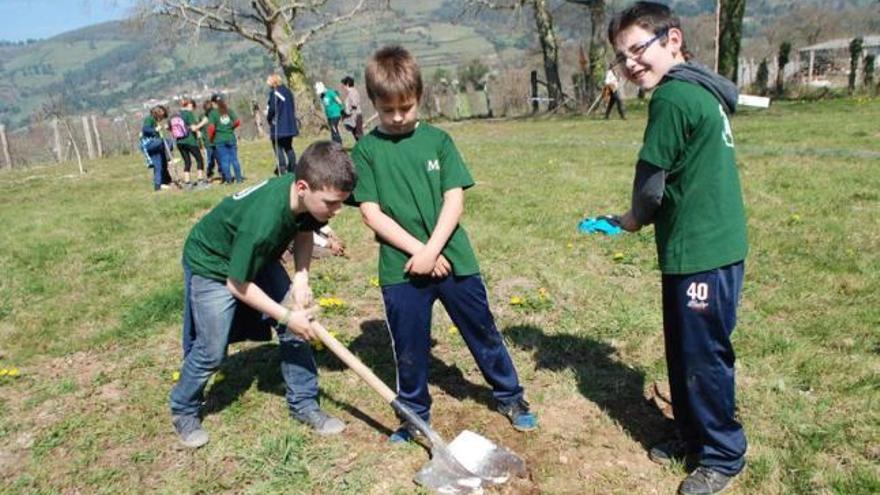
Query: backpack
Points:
[179, 129]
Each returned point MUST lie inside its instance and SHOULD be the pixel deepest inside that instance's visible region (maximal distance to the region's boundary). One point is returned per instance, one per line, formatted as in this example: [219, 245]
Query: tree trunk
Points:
[596, 76]
[731, 18]
[550, 50]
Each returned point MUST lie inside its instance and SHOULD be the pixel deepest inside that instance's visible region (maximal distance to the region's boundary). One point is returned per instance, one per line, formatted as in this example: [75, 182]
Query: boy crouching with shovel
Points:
[233, 277]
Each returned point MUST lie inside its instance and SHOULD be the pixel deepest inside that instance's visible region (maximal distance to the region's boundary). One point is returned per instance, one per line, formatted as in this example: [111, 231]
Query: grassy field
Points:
[90, 313]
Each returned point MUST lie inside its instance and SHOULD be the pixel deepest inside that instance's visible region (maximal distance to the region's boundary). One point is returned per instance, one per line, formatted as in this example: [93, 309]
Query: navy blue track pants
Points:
[408, 313]
[699, 315]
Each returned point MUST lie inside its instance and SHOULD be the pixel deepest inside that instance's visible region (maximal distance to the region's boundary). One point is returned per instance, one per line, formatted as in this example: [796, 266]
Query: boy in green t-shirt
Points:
[234, 282]
[411, 182]
[687, 185]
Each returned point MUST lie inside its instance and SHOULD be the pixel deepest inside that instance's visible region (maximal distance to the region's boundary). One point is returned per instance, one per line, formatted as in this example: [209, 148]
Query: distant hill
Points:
[115, 66]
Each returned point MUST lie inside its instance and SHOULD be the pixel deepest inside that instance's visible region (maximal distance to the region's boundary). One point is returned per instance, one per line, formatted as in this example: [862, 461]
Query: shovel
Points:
[465, 465]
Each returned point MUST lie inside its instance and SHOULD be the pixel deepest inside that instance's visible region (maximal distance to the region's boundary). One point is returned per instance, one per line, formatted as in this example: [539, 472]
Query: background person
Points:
[612, 92]
[281, 115]
[354, 119]
[211, 159]
[154, 146]
[332, 109]
[188, 146]
[221, 131]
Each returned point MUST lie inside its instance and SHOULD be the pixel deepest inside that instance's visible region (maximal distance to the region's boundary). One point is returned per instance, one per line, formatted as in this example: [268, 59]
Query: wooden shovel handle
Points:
[353, 362]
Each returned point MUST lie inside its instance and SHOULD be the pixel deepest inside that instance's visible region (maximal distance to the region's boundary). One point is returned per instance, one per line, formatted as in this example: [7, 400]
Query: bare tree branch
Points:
[323, 25]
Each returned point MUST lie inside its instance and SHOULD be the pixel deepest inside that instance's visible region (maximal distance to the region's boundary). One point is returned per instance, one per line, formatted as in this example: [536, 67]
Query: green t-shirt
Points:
[332, 108]
[245, 232]
[407, 176]
[224, 126]
[700, 224]
[204, 132]
[190, 120]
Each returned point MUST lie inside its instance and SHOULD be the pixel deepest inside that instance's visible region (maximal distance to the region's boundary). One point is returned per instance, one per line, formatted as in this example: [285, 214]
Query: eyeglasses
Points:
[637, 51]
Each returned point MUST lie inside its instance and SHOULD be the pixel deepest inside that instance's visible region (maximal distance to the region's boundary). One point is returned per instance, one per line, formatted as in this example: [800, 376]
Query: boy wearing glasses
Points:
[686, 184]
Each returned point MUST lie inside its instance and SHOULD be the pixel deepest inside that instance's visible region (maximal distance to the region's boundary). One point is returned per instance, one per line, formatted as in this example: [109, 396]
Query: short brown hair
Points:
[650, 16]
[326, 165]
[392, 72]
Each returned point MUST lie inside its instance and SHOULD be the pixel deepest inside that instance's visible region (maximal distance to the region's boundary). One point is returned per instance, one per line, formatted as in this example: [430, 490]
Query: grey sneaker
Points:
[321, 422]
[189, 430]
[704, 481]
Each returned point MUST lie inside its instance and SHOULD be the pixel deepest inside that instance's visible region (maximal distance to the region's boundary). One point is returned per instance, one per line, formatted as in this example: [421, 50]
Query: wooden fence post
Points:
[131, 144]
[5, 145]
[56, 140]
[88, 134]
[97, 137]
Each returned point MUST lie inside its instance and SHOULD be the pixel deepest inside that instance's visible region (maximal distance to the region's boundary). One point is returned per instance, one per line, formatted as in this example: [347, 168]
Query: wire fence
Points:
[58, 139]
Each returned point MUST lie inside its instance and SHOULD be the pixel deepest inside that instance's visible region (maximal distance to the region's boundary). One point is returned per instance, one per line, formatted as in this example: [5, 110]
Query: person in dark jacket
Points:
[281, 115]
[154, 147]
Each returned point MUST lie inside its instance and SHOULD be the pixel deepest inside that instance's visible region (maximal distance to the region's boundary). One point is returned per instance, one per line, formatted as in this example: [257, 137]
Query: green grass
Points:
[90, 313]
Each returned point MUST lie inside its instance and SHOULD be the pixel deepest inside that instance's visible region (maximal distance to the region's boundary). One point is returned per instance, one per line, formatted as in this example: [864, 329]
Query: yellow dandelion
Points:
[453, 329]
[569, 245]
[330, 302]
[516, 300]
[4, 372]
[618, 256]
[13, 372]
[374, 281]
[175, 376]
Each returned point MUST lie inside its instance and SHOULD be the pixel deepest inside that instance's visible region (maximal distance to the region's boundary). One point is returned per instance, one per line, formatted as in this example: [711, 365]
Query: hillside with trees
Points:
[114, 67]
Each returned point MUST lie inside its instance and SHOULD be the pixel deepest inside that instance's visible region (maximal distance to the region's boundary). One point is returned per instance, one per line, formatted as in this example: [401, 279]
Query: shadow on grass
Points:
[262, 365]
[615, 387]
[373, 347]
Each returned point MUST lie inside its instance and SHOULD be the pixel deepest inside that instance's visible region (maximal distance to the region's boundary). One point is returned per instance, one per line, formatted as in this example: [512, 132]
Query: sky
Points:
[23, 19]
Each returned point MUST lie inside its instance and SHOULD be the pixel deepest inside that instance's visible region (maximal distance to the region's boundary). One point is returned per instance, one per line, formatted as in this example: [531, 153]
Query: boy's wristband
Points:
[282, 323]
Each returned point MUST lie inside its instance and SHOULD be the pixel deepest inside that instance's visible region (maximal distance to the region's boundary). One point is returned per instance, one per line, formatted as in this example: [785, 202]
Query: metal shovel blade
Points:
[467, 464]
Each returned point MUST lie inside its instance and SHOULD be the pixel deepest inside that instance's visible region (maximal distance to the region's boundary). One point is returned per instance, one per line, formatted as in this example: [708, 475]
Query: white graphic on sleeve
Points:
[699, 294]
[727, 132]
[244, 192]
[432, 165]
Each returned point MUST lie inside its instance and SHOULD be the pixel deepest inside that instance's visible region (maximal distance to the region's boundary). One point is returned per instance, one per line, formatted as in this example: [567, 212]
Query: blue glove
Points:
[607, 224]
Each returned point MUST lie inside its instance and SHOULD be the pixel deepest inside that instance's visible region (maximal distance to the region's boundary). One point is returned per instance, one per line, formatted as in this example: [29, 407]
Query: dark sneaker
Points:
[519, 415]
[674, 449]
[406, 433]
[704, 481]
[321, 422]
[189, 430]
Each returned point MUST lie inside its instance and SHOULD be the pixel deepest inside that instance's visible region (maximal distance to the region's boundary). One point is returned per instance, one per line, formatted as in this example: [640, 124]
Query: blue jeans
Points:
[699, 315]
[212, 160]
[228, 155]
[333, 122]
[408, 311]
[160, 165]
[208, 321]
